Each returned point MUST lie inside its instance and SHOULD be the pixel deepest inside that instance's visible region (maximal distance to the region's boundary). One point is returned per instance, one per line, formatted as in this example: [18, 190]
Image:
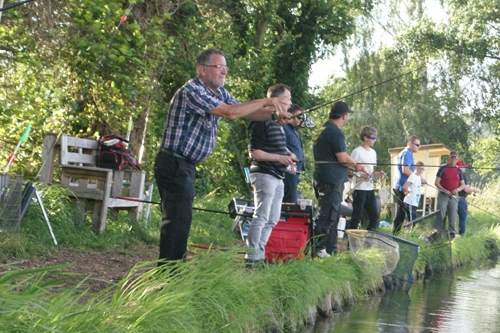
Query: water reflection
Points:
[467, 300]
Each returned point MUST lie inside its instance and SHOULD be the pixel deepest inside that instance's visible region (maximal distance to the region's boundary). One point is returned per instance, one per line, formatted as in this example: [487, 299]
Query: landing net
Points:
[400, 254]
[11, 189]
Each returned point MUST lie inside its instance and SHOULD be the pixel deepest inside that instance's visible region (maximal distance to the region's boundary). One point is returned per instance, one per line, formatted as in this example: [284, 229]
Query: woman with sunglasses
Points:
[364, 194]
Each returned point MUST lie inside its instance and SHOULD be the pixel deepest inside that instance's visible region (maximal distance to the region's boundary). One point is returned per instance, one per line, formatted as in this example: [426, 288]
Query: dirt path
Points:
[103, 268]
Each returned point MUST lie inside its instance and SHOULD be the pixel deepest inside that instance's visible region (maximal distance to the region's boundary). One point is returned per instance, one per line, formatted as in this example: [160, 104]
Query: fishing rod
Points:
[213, 247]
[451, 196]
[396, 164]
[23, 139]
[319, 106]
[457, 198]
[159, 203]
[484, 210]
[420, 219]
[428, 215]
[291, 214]
[15, 4]
[375, 180]
[409, 223]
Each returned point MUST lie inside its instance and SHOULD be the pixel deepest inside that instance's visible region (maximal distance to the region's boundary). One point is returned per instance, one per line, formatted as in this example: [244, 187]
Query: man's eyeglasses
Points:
[373, 137]
[218, 67]
[416, 144]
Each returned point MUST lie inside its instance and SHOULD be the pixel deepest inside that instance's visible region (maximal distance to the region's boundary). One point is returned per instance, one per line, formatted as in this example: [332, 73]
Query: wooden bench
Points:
[72, 163]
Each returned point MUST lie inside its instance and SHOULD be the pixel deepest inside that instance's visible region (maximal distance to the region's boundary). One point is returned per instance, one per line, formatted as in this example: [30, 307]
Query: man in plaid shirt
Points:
[189, 137]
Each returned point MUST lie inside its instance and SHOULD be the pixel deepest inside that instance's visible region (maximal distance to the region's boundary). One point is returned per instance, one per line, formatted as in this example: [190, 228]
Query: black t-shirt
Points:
[329, 141]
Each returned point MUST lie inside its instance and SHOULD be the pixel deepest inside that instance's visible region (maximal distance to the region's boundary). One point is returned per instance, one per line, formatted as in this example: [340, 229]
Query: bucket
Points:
[304, 203]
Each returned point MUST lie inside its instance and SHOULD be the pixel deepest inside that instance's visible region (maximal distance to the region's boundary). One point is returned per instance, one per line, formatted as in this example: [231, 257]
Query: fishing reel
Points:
[359, 175]
[307, 122]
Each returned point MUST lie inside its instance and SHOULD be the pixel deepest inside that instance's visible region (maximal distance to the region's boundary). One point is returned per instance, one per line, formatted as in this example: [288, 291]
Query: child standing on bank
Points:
[411, 190]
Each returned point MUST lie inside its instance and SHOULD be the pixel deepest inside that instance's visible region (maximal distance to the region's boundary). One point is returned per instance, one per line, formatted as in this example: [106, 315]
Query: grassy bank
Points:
[212, 292]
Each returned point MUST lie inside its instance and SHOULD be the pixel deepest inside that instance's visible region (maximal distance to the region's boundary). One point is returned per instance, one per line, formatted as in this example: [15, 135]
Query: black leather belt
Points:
[254, 168]
[174, 154]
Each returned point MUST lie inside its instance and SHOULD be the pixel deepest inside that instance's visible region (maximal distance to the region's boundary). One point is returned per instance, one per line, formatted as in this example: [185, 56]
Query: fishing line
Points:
[439, 190]
[457, 198]
[291, 214]
[470, 204]
[351, 94]
[432, 213]
[14, 5]
[487, 197]
[484, 210]
[396, 164]
[375, 180]
[159, 203]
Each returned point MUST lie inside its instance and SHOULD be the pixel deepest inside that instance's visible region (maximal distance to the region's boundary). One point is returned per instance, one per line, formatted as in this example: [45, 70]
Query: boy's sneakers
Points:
[322, 254]
[252, 263]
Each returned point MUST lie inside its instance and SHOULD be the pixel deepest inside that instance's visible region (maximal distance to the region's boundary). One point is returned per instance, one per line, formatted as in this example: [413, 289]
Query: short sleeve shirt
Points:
[190, 129]
[405, 158]
[361, 155]
[270, 137]
[450, 177]
[329, 141]
[413, 196]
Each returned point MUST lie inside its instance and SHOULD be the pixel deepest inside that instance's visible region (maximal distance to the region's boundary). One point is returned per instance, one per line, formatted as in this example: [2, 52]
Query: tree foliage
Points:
[451, 89]
[87, 68]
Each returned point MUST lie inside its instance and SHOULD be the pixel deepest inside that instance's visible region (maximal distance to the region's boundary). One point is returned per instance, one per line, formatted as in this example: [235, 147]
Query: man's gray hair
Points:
[204, 57]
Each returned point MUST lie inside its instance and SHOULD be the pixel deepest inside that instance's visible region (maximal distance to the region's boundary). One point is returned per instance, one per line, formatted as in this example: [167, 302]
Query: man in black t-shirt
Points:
[330, 175]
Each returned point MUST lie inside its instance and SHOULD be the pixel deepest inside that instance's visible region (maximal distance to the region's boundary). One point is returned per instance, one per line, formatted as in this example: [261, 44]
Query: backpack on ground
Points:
[113, 153]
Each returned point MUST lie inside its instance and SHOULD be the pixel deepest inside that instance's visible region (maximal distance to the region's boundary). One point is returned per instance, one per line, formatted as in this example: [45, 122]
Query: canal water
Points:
[463, 301]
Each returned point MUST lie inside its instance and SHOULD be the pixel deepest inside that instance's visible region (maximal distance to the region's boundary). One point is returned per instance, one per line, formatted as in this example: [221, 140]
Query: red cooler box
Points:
[289, 237]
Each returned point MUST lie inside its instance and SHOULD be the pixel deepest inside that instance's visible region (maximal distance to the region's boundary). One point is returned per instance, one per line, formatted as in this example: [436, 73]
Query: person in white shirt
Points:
[411, 189]
[364, 194]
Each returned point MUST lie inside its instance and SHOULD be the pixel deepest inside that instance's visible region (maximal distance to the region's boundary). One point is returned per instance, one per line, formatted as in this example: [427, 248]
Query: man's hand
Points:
[279, 106]
[287, 159]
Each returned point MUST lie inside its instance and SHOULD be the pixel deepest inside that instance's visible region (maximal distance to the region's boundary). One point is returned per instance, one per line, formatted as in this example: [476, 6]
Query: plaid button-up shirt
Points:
[190, 129]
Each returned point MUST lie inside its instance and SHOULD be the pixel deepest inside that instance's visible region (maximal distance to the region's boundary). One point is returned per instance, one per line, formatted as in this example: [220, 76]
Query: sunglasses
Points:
[416, 144]
[373, 137]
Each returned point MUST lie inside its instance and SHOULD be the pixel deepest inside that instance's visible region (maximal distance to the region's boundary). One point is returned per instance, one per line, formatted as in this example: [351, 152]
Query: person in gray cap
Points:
[449, 181]
[330, 175]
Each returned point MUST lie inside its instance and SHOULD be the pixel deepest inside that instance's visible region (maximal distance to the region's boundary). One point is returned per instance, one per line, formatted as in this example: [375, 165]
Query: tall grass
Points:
[212, 292]
[209, 227]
